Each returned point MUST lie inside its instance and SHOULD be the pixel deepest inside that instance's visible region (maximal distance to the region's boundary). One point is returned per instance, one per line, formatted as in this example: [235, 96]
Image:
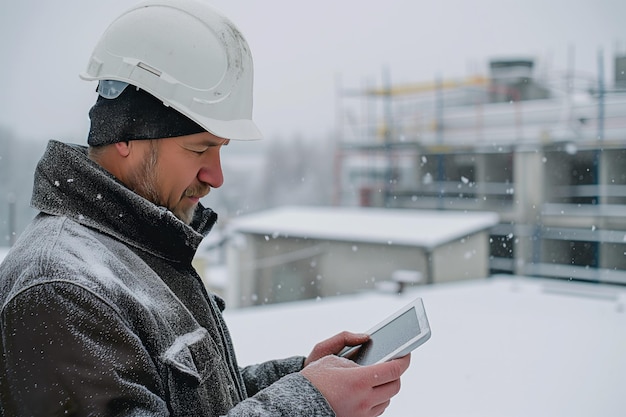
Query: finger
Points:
[382, 394]
[344, 339]
[336, 343]
[383, 373]
[379, 409]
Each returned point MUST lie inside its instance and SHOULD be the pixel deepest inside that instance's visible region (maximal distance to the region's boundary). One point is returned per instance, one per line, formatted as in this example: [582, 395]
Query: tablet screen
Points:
[388, 338]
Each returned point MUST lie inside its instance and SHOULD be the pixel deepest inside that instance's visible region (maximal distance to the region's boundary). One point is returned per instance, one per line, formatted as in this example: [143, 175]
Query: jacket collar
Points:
[68, 183]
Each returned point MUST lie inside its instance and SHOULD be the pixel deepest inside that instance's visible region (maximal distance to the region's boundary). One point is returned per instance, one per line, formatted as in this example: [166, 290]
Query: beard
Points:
[144, 181]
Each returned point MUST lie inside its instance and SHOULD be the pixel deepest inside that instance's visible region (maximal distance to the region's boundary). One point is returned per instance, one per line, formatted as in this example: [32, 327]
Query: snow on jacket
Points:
[102, 313]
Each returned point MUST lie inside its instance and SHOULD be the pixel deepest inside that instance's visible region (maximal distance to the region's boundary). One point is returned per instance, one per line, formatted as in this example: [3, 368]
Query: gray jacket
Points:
[102, 313]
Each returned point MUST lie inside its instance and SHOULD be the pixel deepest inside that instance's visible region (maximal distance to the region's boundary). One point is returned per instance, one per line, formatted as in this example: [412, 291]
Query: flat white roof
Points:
[503, 346]
[422, 228]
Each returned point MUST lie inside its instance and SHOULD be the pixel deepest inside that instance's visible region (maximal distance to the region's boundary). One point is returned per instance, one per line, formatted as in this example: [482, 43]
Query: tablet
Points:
[393, 337]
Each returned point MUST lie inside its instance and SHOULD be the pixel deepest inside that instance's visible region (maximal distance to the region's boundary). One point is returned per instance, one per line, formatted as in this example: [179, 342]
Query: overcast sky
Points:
[299, 49]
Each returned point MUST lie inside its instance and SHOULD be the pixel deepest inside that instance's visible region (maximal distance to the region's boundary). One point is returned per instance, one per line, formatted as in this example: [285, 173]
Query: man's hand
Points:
[335, 344]
[353, 390]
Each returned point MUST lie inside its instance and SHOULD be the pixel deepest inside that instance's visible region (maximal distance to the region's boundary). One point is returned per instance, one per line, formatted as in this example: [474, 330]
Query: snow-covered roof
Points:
[422, 228]
[502, 346]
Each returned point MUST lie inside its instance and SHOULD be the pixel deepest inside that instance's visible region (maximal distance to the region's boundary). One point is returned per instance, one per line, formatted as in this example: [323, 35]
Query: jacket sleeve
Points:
[261, 376]
[63, 353]
[291, 396]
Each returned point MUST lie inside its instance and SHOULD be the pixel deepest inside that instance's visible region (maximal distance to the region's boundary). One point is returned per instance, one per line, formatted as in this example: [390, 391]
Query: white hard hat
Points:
[186, 54]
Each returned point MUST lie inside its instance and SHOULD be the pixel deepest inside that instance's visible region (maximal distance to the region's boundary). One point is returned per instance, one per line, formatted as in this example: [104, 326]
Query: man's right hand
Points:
[354, 390]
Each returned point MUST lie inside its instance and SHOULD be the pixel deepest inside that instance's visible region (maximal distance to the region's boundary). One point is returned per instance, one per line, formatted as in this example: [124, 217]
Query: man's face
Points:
[176, 172]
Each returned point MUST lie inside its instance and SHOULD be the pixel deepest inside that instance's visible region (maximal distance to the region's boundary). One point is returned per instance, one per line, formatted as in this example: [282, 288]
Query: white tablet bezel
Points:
[415, 341]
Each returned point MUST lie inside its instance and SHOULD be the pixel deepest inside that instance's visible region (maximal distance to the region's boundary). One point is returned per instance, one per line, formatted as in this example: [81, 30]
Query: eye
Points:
[199, 150]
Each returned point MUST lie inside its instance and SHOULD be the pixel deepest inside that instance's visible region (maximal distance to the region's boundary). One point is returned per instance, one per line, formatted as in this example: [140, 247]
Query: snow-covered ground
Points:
[504, 346]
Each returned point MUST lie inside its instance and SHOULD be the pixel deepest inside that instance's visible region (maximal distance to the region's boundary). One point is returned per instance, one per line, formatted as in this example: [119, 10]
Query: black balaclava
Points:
[136, 114]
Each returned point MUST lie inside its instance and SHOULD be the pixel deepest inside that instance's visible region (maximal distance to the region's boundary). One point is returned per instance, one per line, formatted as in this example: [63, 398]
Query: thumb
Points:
[344, 339]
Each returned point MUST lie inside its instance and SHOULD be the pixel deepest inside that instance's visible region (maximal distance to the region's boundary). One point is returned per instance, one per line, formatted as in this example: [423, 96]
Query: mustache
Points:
[199, 191]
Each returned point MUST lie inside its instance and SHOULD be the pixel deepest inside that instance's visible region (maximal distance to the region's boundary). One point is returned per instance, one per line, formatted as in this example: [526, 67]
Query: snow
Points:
[422, 228]
[503, 346]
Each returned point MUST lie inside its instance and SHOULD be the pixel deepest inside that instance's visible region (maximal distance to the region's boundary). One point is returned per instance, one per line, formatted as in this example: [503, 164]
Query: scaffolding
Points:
[548, 155]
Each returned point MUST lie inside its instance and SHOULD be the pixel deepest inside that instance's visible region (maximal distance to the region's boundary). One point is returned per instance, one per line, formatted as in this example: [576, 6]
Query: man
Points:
[102, 313]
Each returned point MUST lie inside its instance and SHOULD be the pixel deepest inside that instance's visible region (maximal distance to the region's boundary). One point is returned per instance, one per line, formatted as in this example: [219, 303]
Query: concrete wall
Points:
[266, 270]
[463, 259]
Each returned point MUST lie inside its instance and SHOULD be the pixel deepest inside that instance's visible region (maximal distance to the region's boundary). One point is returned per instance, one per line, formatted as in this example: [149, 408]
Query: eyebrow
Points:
[211, 142]
[219, 141]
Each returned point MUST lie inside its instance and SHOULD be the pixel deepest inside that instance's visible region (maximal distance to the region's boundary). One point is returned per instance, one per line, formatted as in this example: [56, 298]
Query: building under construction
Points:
[547, 154]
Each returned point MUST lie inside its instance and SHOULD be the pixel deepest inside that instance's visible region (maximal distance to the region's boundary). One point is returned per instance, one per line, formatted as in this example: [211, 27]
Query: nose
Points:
[211, 170]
